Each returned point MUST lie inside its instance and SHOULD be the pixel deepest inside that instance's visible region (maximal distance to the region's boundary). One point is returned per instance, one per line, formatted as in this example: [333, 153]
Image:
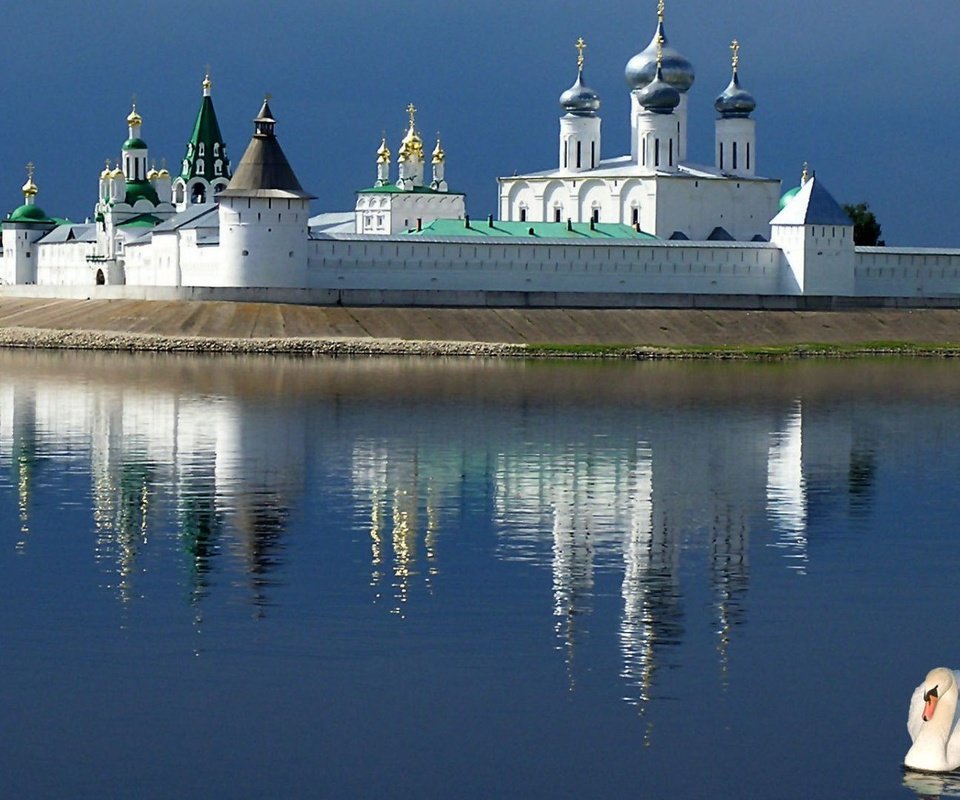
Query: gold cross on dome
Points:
[661, 7]
[735, 49]
[412, 111]
[30, 169]
[659, 50]
[581, 46]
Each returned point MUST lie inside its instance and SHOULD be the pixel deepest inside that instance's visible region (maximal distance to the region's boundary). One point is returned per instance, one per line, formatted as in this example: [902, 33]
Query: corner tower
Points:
[263, 216]
[205, 169]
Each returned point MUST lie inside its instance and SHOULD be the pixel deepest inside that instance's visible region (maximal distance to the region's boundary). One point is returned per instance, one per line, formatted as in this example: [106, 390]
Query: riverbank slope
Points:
[246, 327]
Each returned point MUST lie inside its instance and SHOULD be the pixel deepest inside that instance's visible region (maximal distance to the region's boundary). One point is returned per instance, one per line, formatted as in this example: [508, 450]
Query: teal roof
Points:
[541, 230]
[391, 188]
[134, 144]
[788, 196]
[205, 145]
[141, 221]
[141, 190]
[29, 212]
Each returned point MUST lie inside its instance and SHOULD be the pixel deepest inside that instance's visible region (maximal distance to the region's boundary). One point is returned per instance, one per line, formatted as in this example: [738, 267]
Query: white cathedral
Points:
[643, 228]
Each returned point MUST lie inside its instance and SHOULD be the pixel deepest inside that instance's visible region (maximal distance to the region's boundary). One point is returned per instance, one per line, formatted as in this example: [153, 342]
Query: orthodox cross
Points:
[581, 46]
[735, 49]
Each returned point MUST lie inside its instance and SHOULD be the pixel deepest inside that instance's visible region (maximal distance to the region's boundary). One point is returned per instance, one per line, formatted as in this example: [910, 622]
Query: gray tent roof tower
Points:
[264, 171]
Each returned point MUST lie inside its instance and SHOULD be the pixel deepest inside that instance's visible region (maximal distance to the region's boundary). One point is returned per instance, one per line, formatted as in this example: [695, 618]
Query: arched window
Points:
[216, 148]
[218, 167]
[200, 149]
[199, 194]
[199, 167]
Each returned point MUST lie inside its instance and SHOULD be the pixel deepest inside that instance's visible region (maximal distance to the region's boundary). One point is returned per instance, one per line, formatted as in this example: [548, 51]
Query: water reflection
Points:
[209, 465]
[931, 784]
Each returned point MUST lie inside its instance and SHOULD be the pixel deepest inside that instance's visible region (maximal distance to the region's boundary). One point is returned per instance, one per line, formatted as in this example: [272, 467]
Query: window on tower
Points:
[199, 165]
[200, 149]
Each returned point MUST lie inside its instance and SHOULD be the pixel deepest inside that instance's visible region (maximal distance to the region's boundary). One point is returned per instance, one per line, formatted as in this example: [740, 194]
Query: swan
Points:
[932, 723]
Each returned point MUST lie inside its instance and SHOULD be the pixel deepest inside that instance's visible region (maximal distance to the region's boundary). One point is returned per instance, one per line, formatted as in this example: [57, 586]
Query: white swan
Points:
[932, 723]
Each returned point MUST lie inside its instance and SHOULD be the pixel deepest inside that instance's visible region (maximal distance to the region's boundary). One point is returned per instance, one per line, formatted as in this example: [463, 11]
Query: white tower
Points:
[383, 163]
[736, 133]
[439, 158]
[816, 237]
[25, 225]
[657, 135]
[580, 126]
[134, 151]
[677, 71]
[263, 216]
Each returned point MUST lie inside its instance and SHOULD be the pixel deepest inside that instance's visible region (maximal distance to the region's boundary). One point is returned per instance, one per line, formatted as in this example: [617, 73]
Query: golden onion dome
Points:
[383, 154]
[29, 189]
[152, 174]
[117, 172]
[106, 170]
[163, 173]
[438, 154]
[134, 120]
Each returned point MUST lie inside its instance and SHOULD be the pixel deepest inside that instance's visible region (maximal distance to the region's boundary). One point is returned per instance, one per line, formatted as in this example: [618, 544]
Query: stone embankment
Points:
[227, 327]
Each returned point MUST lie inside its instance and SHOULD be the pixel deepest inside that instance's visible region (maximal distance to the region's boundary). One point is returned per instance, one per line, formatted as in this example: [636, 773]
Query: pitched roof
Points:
[264, 170]
[812, 205]
[205, 146]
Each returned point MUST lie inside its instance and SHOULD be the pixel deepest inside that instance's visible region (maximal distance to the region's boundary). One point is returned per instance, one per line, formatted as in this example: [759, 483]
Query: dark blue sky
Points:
[866, 92]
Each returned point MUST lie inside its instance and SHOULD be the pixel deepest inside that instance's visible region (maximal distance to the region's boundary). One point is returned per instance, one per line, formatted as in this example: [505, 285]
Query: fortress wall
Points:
[65, 263]
[902, 272]
[552, 266]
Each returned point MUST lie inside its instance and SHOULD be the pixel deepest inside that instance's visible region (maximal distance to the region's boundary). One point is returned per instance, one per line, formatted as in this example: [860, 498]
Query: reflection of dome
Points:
[735, 101]
[580, 100]
[658, 96]
[642, 68]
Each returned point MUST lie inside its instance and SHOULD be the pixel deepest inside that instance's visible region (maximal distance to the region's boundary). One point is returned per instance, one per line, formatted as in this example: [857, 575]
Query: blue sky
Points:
[866, 92]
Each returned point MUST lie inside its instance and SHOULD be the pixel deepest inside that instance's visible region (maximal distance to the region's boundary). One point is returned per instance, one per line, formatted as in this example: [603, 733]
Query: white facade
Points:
[718, 227]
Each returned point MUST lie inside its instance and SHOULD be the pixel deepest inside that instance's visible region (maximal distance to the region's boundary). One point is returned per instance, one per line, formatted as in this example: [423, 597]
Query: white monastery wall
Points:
[902, 272]
[65, 263]
[550, 266]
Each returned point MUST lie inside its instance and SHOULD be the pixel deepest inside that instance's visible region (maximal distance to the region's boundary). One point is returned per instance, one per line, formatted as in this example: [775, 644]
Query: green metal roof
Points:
[206, 132]
[141, 190]
[540, 230]
[29, 212]
[391, 188]
[141, 221]
[134, 144]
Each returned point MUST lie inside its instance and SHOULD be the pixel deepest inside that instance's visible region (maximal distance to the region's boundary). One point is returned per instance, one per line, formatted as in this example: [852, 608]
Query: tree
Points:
[866, 229]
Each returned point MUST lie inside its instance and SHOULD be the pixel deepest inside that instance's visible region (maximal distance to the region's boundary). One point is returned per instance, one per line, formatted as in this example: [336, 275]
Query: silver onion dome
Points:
[735, 101]
[580, 100]
[642, 68]
[658, 96]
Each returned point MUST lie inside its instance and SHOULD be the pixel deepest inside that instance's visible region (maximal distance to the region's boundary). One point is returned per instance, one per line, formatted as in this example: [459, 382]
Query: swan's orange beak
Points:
[931, 705]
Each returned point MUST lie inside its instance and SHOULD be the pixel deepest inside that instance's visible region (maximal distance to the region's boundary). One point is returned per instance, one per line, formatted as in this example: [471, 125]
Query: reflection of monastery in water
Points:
[615, 507]
[215, 464]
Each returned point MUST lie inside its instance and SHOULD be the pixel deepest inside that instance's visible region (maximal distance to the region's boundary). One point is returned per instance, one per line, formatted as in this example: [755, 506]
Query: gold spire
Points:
[134, 120]
[383, 154]
[660, 48]
[805, 175]
[661, 7]
[438, 154]
[735, 50]
[412, 111]
[29, 189]
[581, 46]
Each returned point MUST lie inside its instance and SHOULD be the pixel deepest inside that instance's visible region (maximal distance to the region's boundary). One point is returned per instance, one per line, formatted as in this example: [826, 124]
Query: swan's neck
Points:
[929, 750]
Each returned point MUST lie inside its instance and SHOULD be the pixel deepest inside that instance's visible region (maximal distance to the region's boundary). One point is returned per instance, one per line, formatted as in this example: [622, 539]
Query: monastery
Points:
[648, 227]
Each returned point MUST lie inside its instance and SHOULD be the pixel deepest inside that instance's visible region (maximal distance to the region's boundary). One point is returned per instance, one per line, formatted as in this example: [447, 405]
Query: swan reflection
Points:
[932, 784]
